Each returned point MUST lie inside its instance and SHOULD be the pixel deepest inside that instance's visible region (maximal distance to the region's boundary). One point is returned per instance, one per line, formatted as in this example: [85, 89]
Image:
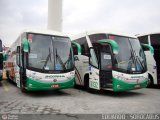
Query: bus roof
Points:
[46, 32]
[98, 32]
[146, 34]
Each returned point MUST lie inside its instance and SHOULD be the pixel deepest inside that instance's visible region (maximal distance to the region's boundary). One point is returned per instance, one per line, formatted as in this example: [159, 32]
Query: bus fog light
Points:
[30, 85]
[118, 86]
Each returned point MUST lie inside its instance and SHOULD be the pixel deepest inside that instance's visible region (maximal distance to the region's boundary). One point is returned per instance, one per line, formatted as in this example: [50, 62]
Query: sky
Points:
[125, 16]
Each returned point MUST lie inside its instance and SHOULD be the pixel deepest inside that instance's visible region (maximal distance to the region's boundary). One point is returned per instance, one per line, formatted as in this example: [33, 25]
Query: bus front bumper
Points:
[119, 85]
[38, 85]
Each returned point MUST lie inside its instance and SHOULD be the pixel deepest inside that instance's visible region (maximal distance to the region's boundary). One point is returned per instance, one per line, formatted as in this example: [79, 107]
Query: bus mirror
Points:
[146, 46]
[4, 57]
[78, 46]
[25, 45]
[113, 44]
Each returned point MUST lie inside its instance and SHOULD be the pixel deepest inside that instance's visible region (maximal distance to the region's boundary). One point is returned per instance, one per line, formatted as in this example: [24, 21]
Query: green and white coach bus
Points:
[109, 61]
[152, 39]
[41, 60]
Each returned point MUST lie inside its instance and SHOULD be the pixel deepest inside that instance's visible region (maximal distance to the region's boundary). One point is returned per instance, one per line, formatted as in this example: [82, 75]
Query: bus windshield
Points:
[130, 57]
[139, 54]
[49, 53]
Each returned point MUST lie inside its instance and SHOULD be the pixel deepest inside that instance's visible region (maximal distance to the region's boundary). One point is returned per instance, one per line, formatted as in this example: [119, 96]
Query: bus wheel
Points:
[86, 82]
[150, 84]
[90, 90]
[22, 88]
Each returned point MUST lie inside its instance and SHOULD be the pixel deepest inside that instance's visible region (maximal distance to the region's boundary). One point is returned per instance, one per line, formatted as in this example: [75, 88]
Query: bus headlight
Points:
[143, 78]
[30, 85]
[37, 78]
[118, 86]
[122, 78]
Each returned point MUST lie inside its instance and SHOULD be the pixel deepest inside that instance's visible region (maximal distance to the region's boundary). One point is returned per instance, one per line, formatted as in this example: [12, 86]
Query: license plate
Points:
[137, 86]
[55, 86]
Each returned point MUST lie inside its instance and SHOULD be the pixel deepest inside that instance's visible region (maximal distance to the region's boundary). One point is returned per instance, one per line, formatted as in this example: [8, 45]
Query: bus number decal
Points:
[94, 84]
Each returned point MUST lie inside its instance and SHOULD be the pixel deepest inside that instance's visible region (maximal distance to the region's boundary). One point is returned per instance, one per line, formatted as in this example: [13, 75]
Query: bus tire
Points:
[86, 85]
[150, 84]
[86, 82]
[22, 87]
[23, 90]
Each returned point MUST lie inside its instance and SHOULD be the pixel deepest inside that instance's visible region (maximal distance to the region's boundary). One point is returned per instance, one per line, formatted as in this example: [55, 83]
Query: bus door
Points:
[94, 81]
[105, 55]
[100, 66]
[18, 65]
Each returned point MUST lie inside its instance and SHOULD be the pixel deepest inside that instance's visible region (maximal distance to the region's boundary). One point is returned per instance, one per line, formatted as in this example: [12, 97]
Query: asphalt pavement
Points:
[77, 102]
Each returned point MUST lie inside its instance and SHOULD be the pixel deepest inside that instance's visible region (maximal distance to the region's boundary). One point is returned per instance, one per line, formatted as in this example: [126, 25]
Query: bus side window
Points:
[143, 39]
[93, 59]
[18, 56]
[84, 46]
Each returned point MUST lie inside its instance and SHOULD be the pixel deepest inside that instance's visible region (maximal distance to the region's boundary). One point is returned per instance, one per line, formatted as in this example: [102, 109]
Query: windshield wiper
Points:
[47, 59]
[69, 58]
[139, 61]
[60, 60]
[131, 61]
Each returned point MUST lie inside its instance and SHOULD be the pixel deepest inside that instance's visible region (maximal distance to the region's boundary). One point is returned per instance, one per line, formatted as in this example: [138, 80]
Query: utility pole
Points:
[55, 15]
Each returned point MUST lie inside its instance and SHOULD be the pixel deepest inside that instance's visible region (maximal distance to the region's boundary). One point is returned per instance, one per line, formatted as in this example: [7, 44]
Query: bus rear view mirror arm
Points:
[148, 47]
[78, 47]
[25, 45]
[113, 44]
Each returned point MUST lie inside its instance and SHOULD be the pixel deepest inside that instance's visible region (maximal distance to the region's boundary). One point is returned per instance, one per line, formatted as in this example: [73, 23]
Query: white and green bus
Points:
[153, 64]
[41, 60]
[109, 61]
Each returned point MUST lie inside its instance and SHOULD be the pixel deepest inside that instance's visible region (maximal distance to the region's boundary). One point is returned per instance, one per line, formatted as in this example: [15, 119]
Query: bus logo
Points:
[55, 80]
[54, 76]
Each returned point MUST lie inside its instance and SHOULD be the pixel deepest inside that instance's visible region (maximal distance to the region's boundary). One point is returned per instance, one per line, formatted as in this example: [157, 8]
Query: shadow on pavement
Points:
[46, 93]
[154, 87]
[111, 93]
[131, 93]
[39, 93]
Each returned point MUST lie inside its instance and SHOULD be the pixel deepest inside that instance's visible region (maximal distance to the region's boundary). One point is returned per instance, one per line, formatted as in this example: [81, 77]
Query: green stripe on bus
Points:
[39, 85]
[124, 86]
